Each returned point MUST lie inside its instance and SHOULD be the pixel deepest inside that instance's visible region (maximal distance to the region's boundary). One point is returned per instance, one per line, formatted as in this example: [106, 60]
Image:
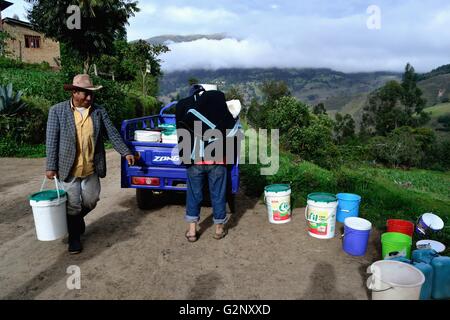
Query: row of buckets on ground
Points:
[401, 275]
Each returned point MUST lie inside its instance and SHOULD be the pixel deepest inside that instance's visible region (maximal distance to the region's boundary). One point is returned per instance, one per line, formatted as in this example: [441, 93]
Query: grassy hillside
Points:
[431, 87]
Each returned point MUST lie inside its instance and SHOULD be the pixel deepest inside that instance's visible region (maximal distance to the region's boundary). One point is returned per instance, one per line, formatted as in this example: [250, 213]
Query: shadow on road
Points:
[205, 286]
[323, 285]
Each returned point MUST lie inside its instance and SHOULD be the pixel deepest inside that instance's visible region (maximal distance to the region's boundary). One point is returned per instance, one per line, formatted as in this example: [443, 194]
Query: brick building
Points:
[30, 46]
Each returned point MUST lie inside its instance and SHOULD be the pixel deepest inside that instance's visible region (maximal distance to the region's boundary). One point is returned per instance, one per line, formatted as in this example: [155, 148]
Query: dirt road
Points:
[134, 254]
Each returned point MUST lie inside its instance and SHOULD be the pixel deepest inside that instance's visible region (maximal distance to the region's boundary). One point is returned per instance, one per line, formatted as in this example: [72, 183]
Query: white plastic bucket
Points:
[209, 87]
[147, 136]
[50, 216]
[394, 280]
[278, 200]
[320, 214]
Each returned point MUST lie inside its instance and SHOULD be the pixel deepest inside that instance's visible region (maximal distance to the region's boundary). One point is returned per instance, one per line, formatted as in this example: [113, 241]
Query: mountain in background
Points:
[164, 39]
[312, 86]
[339, 91]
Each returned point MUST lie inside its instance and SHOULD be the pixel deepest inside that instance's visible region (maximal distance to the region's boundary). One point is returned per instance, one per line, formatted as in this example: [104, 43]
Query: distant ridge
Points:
[163, 39]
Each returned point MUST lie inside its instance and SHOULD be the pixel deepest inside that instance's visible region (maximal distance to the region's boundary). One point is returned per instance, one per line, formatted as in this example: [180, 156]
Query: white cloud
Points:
[191, 15]
[147, 8]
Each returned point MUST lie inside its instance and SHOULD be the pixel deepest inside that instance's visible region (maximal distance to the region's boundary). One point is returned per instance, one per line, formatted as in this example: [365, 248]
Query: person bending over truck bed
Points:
[76, 153]
[202, 169]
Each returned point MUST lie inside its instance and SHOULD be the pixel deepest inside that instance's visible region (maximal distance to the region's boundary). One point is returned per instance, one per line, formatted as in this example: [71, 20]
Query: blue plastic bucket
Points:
[348, 206]
[356, 236]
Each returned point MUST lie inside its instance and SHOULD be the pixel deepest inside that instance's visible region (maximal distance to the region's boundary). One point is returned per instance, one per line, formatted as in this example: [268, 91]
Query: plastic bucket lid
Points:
[358, 224]
[169, 132]
[277, 188]
[322, 197]
[47, 195]
[348, 197]
[435, 245]
[432, 221]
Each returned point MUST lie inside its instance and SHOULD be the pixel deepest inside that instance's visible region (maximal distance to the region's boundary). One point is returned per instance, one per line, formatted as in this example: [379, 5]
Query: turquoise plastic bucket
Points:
[348, 206]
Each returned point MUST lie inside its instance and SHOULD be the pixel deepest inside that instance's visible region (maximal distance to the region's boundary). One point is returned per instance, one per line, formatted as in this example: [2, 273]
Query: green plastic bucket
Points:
[395, 244]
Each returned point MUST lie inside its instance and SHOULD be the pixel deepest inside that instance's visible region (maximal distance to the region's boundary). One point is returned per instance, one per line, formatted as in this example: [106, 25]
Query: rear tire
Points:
[144, 198]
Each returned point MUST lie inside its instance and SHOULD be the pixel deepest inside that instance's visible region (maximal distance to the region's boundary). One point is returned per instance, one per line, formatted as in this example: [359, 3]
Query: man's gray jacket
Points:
[61, 143]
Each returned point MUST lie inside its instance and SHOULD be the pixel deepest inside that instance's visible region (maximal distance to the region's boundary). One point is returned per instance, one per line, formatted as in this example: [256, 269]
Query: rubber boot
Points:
[74, 226]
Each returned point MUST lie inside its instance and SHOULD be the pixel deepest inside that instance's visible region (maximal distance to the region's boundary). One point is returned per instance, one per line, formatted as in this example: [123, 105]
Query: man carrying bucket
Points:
[76, 153]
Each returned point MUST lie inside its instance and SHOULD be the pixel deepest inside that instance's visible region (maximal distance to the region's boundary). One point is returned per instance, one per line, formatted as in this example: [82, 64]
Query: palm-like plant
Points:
[10, 103]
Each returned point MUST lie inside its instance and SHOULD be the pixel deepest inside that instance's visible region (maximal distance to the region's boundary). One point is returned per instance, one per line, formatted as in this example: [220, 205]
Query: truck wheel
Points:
[144, 198]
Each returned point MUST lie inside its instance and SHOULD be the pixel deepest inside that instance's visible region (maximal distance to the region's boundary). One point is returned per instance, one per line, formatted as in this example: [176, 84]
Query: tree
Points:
[394, 105]
[4, 36]
[445, 122]
[274, 90]
[344, 128]
[412, 98]
[319, 109]
[143, 57]
[193, 81]
[101, 22]
[302, 132]
[383, 111]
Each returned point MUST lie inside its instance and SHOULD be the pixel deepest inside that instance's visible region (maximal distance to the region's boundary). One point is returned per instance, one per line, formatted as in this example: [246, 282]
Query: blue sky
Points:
[296, 33]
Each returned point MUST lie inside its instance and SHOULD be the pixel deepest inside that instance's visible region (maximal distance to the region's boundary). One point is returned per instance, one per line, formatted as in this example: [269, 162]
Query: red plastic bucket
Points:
[401, 226]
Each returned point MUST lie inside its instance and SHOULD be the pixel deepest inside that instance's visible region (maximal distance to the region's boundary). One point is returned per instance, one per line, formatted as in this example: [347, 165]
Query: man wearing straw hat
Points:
[76, 152]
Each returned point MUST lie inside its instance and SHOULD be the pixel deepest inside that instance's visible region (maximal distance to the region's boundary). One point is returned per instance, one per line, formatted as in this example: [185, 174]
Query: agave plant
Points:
[10, 103]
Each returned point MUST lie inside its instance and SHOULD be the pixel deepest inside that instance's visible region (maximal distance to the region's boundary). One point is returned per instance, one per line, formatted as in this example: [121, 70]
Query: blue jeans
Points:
[217, 179]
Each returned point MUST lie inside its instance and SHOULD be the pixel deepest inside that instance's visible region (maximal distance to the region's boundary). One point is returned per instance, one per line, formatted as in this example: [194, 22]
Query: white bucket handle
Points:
[306, 213]
[370, 283]
[57, 185]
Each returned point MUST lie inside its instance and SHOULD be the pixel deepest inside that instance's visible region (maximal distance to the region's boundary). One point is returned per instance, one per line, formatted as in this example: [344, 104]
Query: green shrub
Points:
[399, 148]
[17, 64]
[38, 102]
[37, 83]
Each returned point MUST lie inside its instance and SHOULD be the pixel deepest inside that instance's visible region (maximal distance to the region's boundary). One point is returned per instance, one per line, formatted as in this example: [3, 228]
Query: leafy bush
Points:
[399, 148]
[304, 133]
[17, 64]
[38, 102]
[26, 128]
[33, 83]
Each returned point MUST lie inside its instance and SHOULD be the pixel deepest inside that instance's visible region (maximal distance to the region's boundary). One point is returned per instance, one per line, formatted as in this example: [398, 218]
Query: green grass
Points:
[439, 110]
[22, 150]
[433, 184]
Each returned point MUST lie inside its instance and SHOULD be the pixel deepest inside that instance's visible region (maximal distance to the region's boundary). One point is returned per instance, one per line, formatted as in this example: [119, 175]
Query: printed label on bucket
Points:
[280, 210]
[318, 222]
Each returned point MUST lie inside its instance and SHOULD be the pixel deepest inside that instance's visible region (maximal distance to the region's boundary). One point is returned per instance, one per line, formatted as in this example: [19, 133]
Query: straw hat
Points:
[83, 82]
[234, 106]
